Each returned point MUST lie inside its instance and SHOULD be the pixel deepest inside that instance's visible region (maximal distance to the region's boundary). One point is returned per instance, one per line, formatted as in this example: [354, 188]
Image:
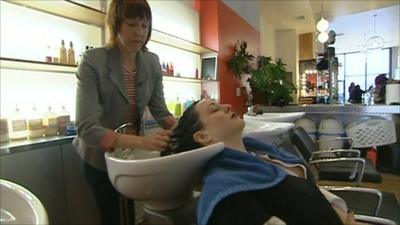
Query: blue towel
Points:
[232, 171]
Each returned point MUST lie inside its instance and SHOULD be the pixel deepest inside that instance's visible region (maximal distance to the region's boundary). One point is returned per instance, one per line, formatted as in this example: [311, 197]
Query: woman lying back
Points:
[250, 182]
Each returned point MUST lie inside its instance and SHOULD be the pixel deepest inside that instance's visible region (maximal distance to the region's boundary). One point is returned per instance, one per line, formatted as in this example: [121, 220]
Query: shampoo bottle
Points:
[4, 135]
[18, 126]
[63, 119]
[71, 54]
[50, 123]
[35, 124]
[63, 53]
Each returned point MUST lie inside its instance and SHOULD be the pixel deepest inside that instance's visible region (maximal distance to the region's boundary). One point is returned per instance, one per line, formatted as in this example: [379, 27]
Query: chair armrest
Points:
[317, 142]
[362, 190]
[355, 160]
[356, 151]
[374, 220]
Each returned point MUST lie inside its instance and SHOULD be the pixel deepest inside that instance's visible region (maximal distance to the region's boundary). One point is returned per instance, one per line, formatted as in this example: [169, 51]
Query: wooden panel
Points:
[306, 46]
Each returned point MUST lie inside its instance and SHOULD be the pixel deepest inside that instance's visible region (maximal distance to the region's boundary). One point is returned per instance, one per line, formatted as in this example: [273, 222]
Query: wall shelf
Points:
[30, 65]
[85, 14]
[176, 42]
[186, 79]
[67, 9]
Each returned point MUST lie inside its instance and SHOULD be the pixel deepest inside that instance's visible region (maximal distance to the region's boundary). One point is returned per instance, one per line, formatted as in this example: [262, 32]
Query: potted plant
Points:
[240, 62]
[271, 81]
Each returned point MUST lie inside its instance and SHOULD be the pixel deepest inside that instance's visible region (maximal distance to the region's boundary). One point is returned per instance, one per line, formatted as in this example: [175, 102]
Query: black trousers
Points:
[294, 200]
[112, 207]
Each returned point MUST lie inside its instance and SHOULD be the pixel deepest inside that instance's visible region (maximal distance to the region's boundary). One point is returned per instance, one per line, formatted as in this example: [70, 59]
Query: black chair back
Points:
[303, 142]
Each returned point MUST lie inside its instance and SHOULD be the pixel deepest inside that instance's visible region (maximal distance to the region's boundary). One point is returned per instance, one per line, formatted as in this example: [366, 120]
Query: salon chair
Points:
[335, 164]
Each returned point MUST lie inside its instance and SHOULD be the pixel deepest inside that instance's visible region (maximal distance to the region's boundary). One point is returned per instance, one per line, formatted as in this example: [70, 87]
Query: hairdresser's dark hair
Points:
[182, 136]
[119, 10]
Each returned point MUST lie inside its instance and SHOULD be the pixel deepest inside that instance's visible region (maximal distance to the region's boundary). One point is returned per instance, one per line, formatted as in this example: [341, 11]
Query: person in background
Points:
[380, 88]
[251, 182]
[350, 91]
[115, 84]
[356, 94]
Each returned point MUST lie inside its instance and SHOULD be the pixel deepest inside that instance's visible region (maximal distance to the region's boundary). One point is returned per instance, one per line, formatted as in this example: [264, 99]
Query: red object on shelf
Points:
[171, 69]
[372, 155]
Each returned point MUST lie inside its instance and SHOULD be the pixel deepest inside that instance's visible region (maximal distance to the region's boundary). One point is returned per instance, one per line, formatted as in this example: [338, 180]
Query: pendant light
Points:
[376, 41]
[322, 27]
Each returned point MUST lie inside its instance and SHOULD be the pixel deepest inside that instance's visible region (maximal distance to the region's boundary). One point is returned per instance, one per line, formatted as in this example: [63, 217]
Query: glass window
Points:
[355, 64]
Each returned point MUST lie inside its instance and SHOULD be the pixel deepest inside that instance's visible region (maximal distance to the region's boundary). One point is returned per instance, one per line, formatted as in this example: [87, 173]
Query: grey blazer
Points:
[102, 99]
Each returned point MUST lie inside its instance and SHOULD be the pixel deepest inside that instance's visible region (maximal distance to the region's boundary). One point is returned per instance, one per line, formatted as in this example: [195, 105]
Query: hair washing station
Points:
[166, 184]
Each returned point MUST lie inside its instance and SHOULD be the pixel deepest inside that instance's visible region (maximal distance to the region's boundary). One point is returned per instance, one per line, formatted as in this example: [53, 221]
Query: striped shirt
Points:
[130, 85]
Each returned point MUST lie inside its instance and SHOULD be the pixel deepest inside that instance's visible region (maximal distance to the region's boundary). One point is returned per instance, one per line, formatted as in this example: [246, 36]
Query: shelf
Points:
[85, 14]
[30, 65]
[67, 9]
[176, 42]
[186, 80]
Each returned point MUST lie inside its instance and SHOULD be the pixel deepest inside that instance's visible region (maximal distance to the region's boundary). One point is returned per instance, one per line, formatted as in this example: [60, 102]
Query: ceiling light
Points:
[323, 37]
[322, 25]
[376, 41]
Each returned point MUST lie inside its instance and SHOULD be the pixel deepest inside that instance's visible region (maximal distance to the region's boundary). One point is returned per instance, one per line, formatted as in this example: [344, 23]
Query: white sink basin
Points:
[266, 131]
[288, 117]
[19, 206]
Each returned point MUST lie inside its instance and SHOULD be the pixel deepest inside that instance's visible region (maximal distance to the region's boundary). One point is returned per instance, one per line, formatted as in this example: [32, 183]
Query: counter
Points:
[24, 145]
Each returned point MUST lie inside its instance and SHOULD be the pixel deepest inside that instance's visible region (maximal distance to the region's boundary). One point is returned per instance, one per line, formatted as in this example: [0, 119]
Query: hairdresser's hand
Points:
[157, 141]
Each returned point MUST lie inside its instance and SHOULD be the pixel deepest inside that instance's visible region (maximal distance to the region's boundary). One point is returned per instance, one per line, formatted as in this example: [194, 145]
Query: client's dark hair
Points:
[182, 136]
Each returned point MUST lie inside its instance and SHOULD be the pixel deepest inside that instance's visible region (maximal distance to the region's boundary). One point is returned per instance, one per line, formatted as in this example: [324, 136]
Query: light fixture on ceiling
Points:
[323, 37]
[322, 27]
[376, 41]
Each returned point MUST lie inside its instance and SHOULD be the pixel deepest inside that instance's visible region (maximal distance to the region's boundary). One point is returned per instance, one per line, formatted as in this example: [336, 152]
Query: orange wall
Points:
[220, 28]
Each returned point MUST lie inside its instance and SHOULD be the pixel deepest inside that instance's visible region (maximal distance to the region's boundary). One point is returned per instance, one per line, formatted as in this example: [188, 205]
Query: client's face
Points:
[219, 122]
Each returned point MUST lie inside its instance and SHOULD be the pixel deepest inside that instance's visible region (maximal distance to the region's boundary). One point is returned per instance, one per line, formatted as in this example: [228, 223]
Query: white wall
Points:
[287, 48]
[268, 38]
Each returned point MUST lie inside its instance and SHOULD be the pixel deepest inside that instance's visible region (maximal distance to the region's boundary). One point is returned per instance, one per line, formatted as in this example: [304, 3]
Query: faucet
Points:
[249, 104]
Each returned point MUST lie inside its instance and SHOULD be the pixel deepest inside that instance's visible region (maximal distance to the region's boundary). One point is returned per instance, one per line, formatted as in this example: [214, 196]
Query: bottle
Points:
[197, 73]
[50, 123]
[4, 135]
[48, 57]
[35, 125]
[171, 105]
[18, 127]
[71, 54]
[167, 69]
[171, 68]
[63, 53]
[55, 55]
[178, 107]
[63, 119]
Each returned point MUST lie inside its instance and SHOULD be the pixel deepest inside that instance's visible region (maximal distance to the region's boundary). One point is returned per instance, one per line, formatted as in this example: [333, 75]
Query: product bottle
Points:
[71, 54]
[50, 123]
[63, 53]
[18, 127]
[167, 69]
[63, 119]
[178, 107]
[4, 135]
[48, 57]
[35, 124]
[171, 68]
[55, 55]
[197, 73]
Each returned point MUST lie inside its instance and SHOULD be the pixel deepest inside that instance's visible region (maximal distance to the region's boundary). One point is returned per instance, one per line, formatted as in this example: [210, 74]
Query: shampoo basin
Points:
[163, 183]
[288, 117]
[20, 206]
[266, 131]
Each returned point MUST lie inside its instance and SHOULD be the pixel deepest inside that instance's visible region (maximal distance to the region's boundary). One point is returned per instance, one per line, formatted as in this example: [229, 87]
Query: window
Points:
[361, 69]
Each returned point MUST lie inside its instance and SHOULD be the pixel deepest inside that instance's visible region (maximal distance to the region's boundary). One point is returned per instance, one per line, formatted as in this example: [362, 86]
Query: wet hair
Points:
[182, 137]
[119, 10]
